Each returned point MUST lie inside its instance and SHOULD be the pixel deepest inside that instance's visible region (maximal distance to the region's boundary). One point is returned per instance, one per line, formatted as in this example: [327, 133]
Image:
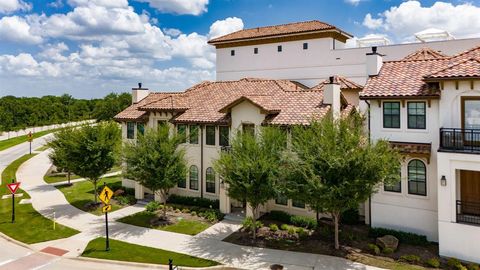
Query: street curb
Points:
[14, 241]
[149, 265]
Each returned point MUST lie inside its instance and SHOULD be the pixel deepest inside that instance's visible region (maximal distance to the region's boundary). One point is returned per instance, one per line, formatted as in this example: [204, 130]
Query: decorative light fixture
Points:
[443, 181]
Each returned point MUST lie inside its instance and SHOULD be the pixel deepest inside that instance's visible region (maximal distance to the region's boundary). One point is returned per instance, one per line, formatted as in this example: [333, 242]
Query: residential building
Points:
[423, 97]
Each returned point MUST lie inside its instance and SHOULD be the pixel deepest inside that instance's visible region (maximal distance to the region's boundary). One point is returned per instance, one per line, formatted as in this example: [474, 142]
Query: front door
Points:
[470, 192]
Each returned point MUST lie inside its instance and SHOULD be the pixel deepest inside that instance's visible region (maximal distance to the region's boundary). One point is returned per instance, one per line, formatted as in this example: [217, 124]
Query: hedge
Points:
[300, 221]
[403, 237]
[194, 201]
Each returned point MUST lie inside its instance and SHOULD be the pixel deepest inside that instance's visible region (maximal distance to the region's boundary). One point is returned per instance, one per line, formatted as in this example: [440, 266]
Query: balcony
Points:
[468, 212]
[460, 140]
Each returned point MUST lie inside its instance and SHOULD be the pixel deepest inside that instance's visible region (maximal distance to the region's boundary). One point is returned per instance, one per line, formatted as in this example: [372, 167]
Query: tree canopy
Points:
[251, 167]
[21, 112]
[155, 161]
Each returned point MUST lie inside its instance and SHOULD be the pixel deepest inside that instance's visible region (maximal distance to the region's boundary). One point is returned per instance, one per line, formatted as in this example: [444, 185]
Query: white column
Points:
[139, 193]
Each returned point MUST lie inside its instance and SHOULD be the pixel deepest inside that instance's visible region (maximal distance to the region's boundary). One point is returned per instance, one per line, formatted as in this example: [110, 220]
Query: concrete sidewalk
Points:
[208, 245]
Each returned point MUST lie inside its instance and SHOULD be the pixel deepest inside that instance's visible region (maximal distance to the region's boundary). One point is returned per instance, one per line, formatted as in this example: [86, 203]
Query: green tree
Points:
[93, 150]
[156, 161]
[61, 144]
[334, 167]
[252, 166]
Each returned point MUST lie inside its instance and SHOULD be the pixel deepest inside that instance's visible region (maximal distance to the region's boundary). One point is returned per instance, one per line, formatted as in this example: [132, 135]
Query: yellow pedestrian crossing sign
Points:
[105, 195]
[106, 208]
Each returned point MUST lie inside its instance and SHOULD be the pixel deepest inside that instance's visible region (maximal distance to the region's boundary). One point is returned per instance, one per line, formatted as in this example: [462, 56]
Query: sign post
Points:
[105, 197]
[30, 139]
[13, 187]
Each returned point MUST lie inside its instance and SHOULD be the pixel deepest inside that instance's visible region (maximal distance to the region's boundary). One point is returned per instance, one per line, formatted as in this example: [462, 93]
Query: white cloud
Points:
[16, 29]
[8, 6]
[372, 23]
[172, 32]
[191, 7]
[226, 26]
[56, 4]
[54, 52]
[462, 20]
[103, 3]
[353, 2]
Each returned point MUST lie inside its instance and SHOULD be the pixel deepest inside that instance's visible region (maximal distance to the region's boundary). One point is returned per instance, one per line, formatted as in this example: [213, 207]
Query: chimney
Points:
[331, 96]
[139, 93]
[374, 62]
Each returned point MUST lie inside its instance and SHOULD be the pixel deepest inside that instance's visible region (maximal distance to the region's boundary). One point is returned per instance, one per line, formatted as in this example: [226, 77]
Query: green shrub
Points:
[456, 264]
[279, 216]
[248, 224]
[433, 262]
[210, 215]
[194, 201]
[403, 237]
[387, 251]
[350, 217]
[302, 221]
[410, 258]
[302, 233]
[185, 210]
[273, 227]
[473, 266]
[284, 227]
[374, 249]
[152, 206]
[193, 213]
[126, 199]
[291, 230]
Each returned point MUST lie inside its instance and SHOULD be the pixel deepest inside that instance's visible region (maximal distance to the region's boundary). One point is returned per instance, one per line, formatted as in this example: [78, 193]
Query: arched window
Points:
[417, 177]
[210, 180]
[194, 177]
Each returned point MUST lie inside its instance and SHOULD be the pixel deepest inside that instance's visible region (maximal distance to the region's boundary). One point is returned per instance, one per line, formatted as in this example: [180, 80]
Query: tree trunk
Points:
[336, 220]
[164, 195]
[318, 216]
[68, 177]
[95, 193]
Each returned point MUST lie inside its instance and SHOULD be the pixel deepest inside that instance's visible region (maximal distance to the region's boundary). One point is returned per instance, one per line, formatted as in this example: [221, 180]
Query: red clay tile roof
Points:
[344, 84]
[406, 78]
[425, 53]
[412, 148]
[469, 68]
[277, 30]
[133, 113]
[284, 102]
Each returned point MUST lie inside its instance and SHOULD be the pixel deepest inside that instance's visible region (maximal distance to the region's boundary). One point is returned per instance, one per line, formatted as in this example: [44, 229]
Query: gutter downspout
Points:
[370, 197]
[201, 161]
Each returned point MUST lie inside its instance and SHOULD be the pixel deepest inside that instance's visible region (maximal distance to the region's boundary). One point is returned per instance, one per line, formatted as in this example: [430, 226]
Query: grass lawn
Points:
[190, 227]
[29, 227]
[21, 139]
[61, 178]
[42, 148]
[81, 193]
[122, 251]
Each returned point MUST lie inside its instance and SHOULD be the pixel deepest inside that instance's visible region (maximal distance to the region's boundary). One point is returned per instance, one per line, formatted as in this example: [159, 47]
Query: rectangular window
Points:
[397, 187]
[255, 50]
[182, 183]
[130, 130]
[249, 129]
[279, 48]
[298, 204]
[140, 128]
[281, 200]
[182, 131]
[391, 114]
[305, 46]
[232, 52]
[224, 135]
[416, 115]
[210, 135]
[193, 136]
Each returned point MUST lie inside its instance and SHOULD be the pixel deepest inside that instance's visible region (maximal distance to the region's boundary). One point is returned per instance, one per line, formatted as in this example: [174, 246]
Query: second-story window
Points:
[140, 128]
[255, 50]
[210, 135]
[130, 130]
[279, 48]
[391, 114]
[416, 115]
[395, 187]
[182, 132]
[232, 52]
[305, 46]
[193, 136]
[224, 135]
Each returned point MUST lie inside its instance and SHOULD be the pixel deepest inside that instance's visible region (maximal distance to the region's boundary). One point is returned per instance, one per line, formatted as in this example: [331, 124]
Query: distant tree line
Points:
[17, 113]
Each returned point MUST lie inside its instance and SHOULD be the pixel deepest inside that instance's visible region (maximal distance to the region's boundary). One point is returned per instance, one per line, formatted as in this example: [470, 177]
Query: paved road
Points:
[13, 134]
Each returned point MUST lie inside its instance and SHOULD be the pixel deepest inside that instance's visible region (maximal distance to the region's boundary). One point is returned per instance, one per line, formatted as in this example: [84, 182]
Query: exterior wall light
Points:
[443, 181]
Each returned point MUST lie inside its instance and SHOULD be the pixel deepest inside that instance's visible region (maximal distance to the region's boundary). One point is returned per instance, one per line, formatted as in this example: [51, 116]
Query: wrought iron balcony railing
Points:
[460, 140]
[468, 212]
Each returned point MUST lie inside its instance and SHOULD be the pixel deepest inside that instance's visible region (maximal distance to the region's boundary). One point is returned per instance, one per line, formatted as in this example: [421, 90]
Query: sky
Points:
[89, 48]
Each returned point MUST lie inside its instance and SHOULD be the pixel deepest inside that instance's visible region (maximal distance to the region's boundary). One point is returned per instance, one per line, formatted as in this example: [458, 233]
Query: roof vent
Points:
[139, 85]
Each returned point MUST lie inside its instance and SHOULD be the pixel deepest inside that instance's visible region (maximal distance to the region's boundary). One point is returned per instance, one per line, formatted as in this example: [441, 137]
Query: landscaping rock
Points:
[387, 241]
[118, 192]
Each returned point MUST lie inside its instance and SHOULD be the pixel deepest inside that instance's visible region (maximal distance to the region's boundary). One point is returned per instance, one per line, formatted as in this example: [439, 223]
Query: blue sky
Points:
[88, 48]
